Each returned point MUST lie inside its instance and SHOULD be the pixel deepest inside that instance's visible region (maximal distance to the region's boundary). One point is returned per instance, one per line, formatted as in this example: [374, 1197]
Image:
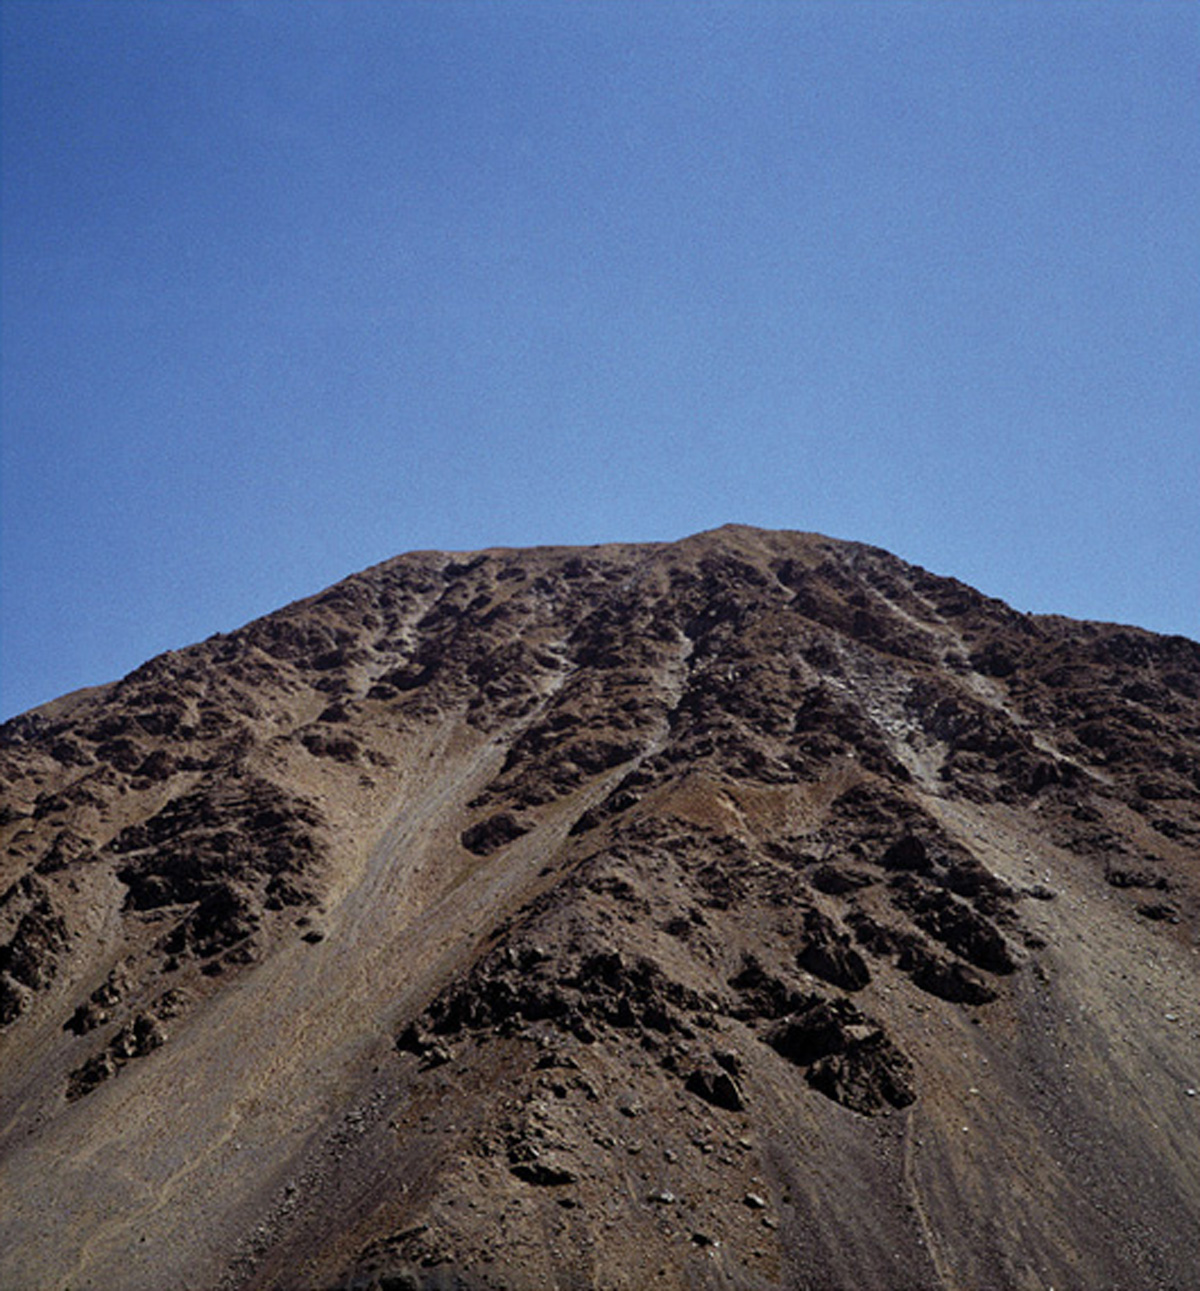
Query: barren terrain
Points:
[752, 911]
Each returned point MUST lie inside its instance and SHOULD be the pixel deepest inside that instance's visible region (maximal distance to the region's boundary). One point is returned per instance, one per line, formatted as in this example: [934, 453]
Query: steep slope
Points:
[750, 911]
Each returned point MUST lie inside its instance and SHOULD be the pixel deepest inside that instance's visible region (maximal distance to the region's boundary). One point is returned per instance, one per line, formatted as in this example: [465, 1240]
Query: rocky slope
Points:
[751, 911]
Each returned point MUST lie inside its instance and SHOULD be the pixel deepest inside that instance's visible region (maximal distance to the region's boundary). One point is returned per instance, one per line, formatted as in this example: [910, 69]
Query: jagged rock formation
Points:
[751, 911]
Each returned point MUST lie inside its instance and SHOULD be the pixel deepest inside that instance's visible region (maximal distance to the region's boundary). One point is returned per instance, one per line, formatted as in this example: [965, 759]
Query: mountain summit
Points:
[752, 911]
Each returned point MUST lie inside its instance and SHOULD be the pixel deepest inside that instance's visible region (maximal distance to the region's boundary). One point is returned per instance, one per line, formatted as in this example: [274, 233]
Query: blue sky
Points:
[289, 288]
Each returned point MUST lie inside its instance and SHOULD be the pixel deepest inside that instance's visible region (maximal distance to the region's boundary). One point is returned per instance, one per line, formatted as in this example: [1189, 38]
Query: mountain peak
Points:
[754, 910]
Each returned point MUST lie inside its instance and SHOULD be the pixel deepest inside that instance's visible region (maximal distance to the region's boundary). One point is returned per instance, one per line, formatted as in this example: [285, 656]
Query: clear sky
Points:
[292, 287]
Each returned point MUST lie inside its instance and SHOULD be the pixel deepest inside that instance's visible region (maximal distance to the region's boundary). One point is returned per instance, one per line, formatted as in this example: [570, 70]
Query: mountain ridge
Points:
[729, 912]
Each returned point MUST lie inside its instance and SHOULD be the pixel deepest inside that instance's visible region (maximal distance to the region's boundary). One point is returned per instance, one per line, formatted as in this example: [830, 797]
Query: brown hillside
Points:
[754, 911]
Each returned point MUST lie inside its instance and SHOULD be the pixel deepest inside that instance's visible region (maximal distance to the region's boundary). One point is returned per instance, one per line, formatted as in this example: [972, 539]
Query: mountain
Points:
[753, 911]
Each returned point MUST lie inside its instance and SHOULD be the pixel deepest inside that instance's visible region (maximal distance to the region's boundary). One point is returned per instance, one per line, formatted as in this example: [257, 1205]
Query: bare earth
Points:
[753, 911]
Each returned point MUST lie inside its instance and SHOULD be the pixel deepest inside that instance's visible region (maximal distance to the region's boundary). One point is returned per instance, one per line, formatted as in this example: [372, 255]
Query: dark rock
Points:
[148, 1034]
[93, 1072]
[15, 998]
[246, 830]
[947, 979]
[968, 878]
[71, 753]
[866, 1077]
[492, 834]
[1135, 876]
[878, 938]
[324, 744]
[957, 926]
[847, 1057]
[68, 848]
[994, 660]
[123, 753]
[716, 1087]
[816, 1029]
[142, 1036]
[517, 986]
[762, 994]
[30, 959]
[412, 1040]
[838, 880]
[728, 1061]
[112, 989]
[827, 954]
[907, 853]
[544, 1174]
[170, 1004]
[225, 916]
[96, 1010]
[399, 1282]
[87, 1017]
[157, 766]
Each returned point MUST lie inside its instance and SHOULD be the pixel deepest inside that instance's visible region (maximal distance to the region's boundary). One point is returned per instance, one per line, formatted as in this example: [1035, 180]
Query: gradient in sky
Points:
[290, 287]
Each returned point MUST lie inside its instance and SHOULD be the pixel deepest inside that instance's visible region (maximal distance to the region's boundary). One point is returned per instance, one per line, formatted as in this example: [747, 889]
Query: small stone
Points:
[663, 1198]
[755, 1202]
[729, 1060]
[544, 1174]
